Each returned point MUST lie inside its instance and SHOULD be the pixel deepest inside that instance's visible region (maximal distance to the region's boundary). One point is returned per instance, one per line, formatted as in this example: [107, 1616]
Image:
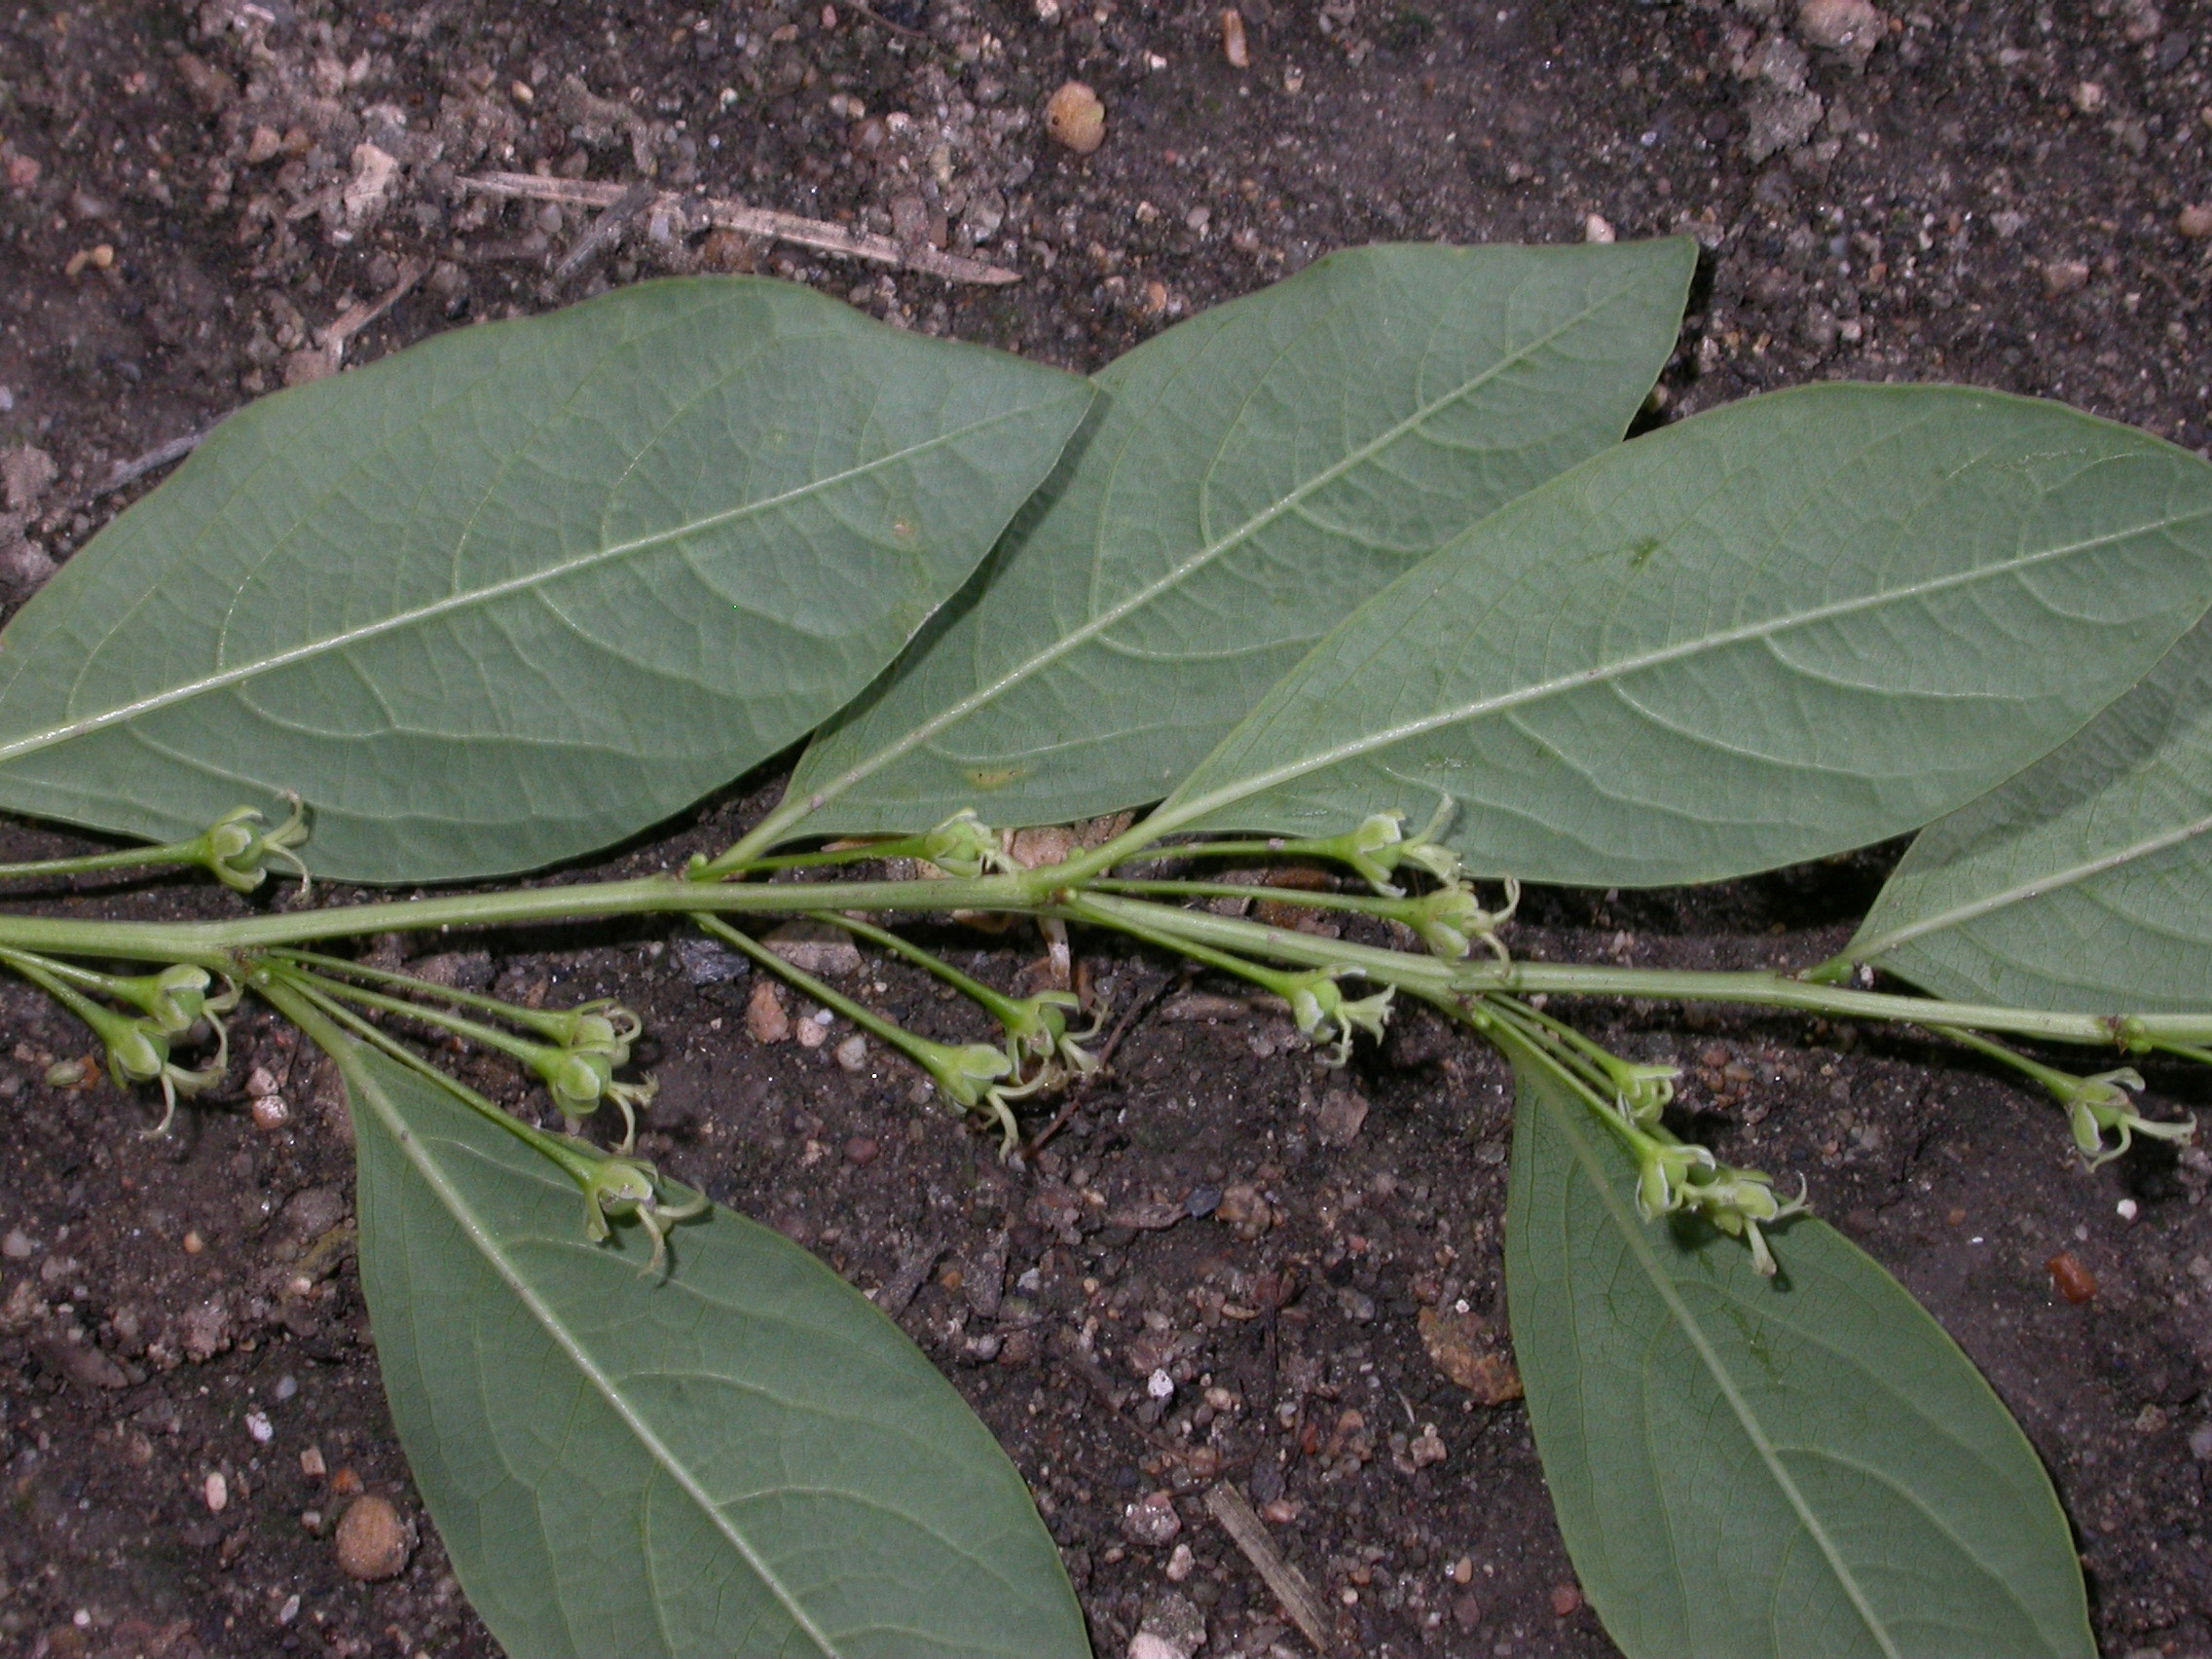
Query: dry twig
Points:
[1248, 1533]
[690, 212]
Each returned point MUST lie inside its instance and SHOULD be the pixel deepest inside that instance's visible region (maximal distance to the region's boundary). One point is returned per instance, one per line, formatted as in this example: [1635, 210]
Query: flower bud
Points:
[964, 846]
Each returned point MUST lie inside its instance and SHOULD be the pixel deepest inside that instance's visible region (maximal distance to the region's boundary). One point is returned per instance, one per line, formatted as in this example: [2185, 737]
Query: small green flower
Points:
[630, 1188]
[965, 845]
[1665, 1169]
[1451, 919]
[2099, 1105]
[603, 1027]
[1741, 1201]
[1035, 1026]
[137, 1051]
[971, 1075]
[177, 998]
[1643, 1091]
[238, 853]
[580, 1079]
[1326, 1016]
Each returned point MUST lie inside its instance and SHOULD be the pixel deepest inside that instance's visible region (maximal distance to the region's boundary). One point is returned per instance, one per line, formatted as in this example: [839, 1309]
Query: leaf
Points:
[1786, 628]
[2083, 883]
[1246, 479]
[1747, 1469]
[525, 589]
[743, 1458]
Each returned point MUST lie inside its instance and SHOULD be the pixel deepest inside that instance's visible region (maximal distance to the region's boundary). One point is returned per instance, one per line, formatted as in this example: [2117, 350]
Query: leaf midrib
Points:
[2072, 875]
[1177, 813]
[473, 1226]
[1633, 1237]
[124, 713]
[1100, 622]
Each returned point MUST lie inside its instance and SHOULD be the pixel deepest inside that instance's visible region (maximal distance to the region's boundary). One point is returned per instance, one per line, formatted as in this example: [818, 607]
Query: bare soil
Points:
[1994, 195]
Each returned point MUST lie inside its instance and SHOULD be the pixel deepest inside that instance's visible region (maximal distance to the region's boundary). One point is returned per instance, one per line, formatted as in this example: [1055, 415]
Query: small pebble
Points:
[1232, 45]
[218, 1491]
[1159, 1386]
[2074, 1282]
[1596, 229]
[2196, 221]
[1152, 1519]
[1567, 1599]
[1854, 28]
[812, 1033]
[2063, 277]
[16, 1246]
[373, 1542]
[2128, 1209]
[860, 1152]
[765, 1017]
[1181, 1564]
[286, 1386]
[1429, 1449]
[269, 1113]
[852, 1052]
[311, 1464]
[194, 1243]
[1076, 119]
[258, 1426]
[1463, 1570]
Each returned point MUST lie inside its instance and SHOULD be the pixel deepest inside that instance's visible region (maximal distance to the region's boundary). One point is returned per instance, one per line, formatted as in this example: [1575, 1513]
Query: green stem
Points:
[867, 1018]
[218, 945]
[222, 946]
[173, 857]
[1429, 974]
[1227, 962]
[328, 967]
[905, 847]
[501, 1042]
[975, 990]
[1359, 903]
[785, 814]
[2048, 1075]
[329, 1027]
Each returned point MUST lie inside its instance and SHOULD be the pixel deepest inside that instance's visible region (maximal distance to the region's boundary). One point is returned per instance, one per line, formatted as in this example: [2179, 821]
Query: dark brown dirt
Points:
[1994, 197]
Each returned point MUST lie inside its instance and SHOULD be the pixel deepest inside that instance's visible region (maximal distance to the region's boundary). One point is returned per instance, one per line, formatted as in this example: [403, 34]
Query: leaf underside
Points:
[1246, 480]
[525, 589]
[1789, 626]
[2081, 883]
[1743, 1469]
[743, 1459]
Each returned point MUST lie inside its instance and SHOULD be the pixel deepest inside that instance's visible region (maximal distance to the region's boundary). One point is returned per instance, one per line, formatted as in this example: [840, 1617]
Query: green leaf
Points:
[2083, 883]
[1789, 626]
[1246, 479]
[1747, 1469]
[742, 1459]
[525, 589]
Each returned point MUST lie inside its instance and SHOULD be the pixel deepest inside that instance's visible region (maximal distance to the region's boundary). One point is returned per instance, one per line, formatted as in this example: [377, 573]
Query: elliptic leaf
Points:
[742, 1459]
[523, 590]
[1247, 478]
[1802, 1468]
[2086, 882]
[1789, 626]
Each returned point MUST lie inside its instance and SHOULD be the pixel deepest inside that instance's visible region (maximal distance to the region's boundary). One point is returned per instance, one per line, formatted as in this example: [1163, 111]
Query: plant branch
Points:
[1755, 989]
